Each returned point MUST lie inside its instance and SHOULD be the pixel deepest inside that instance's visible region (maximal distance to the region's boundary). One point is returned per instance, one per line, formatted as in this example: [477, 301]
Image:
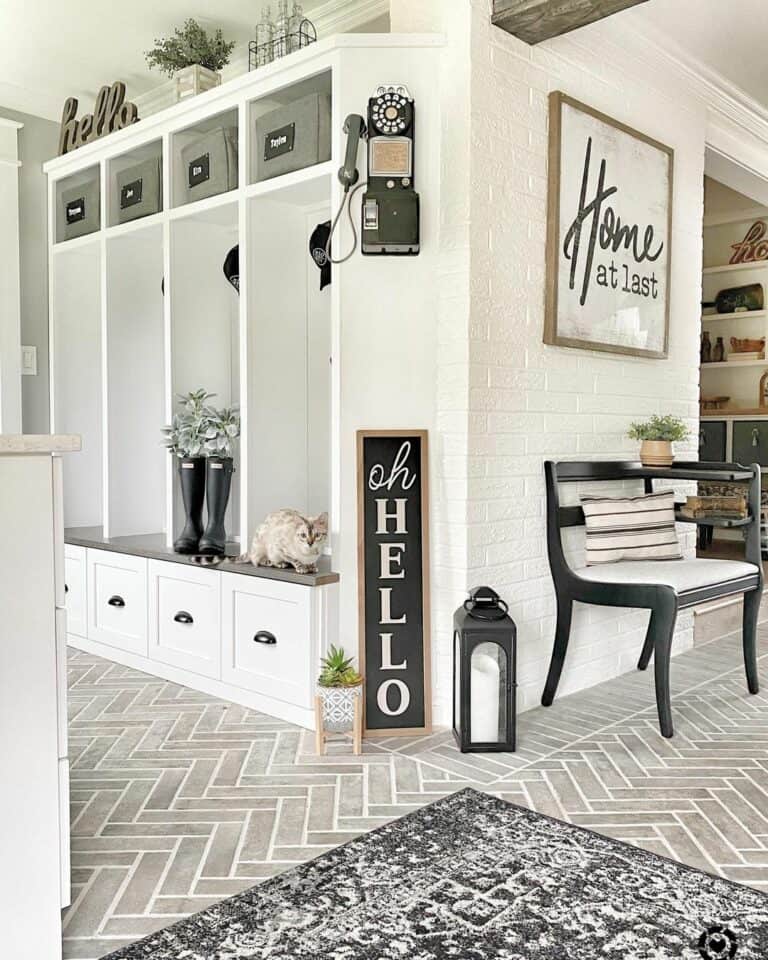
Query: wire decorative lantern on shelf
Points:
[262, 52]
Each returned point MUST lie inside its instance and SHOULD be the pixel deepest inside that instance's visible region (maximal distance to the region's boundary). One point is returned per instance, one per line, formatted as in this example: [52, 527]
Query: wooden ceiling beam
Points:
[536, 20]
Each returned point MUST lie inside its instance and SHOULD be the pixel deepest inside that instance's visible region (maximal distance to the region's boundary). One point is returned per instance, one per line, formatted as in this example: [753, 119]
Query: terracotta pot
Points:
[656, 453]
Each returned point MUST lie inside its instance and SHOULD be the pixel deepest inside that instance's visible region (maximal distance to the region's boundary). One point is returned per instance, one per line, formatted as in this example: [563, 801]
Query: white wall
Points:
[527, 402]
[37, 143]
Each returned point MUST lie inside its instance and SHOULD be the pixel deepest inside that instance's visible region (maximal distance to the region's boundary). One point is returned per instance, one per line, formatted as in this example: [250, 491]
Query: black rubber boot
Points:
[218, 483]
[192, 477]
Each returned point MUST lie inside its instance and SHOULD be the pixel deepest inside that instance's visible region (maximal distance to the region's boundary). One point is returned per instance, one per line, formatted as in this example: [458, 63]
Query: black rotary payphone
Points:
[390, 207]
[391, 204]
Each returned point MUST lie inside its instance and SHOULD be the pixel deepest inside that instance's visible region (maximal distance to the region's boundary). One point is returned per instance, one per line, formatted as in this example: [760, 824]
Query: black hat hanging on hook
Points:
[232, 267]
[318, 244]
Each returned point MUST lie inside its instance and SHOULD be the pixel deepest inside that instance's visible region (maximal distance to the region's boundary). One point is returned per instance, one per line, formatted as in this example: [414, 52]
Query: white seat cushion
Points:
[682, 575]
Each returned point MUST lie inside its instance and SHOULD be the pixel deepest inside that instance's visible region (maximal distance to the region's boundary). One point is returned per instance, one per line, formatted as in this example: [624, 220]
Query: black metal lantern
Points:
[484, 674]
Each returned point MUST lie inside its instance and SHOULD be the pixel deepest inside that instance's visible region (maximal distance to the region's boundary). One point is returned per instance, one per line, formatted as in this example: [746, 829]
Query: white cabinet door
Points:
[75, 580]
[61, 679]
[267, 638]
[59, 574]
[117, 600]
[64, 857]
[184, 617]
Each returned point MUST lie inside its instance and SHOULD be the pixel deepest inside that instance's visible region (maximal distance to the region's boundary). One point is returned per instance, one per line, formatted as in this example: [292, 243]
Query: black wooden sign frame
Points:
[393, 580]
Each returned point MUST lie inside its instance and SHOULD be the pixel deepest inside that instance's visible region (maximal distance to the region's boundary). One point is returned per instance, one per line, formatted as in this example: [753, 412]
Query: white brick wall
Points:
[506, 401]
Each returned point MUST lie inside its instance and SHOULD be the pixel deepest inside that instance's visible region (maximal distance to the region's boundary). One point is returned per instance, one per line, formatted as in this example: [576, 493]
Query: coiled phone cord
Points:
[346, 202]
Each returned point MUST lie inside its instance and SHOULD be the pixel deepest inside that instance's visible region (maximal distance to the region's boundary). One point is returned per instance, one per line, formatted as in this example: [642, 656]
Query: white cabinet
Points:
[267, 637]
[249, 639]
[75, 579]
[117, 600]
[184, 617]
[34, 833]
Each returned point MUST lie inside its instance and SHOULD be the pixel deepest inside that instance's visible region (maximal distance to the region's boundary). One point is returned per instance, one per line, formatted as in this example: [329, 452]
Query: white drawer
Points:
[117, 600]
[184, 617]
[267, 638]
[61, 679]
[64, 858]
[75, 579]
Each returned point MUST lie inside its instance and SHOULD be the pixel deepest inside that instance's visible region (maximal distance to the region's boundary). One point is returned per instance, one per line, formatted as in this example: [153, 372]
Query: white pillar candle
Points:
[484, 699]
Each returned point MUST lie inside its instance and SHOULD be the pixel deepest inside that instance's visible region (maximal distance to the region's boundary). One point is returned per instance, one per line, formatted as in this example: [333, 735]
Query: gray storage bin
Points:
[210, 164]
[139, 190]
[294, 136]
[79, 211]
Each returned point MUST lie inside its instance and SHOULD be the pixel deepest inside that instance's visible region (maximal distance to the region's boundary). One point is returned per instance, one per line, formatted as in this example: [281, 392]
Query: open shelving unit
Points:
[142, 312]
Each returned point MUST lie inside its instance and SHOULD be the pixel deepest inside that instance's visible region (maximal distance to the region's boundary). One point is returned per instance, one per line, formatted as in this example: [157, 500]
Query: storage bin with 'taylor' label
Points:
[292, 137]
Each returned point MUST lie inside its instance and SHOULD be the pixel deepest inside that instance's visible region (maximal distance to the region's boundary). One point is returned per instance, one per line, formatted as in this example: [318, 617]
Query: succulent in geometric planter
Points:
[657, 436]
[338, 685]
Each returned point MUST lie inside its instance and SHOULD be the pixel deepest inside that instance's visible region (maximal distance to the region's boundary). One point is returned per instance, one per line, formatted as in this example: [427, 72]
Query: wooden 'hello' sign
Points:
[393, 573]
[111, 112]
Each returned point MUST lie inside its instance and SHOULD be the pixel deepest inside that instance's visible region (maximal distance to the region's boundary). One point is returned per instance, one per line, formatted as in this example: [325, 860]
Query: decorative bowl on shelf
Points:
[747, 345]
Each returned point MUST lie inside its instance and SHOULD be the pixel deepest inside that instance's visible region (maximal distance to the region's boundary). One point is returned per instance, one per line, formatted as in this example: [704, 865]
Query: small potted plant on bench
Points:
[657, 436]
[338, 704]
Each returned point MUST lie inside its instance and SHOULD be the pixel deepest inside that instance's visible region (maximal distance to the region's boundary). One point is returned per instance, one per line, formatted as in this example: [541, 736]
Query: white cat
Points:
[288, 539]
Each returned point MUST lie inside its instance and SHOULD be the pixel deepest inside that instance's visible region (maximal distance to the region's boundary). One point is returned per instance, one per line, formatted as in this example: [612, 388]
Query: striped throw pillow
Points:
[631, 528]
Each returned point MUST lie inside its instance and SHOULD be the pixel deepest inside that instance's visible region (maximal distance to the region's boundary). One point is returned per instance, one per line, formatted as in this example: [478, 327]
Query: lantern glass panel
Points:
[457, 682]
[488, 700]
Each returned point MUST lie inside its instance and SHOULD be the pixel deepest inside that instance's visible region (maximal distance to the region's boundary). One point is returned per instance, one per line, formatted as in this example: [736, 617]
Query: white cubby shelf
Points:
[307, 367]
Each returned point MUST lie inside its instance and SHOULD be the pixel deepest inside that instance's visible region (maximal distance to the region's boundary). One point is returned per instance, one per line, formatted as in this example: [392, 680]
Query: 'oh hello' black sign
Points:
[393, 571]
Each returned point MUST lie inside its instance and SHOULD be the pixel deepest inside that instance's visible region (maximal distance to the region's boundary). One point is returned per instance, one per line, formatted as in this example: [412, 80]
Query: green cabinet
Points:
[750, 442]
[712, 441]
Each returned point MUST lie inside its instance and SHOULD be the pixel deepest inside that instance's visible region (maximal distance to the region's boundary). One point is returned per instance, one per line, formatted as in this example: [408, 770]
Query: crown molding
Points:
[724, 99]
[333, 16]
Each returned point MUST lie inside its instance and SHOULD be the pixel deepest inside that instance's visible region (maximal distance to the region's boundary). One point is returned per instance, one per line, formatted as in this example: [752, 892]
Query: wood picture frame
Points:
[423, 627]
[627, 267]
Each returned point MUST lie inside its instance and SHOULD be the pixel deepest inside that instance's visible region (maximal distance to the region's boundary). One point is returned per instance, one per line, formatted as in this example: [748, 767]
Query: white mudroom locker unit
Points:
[140, 312]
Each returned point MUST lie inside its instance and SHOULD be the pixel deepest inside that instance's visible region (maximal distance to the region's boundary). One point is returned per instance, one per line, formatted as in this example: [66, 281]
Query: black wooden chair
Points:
[661, 586]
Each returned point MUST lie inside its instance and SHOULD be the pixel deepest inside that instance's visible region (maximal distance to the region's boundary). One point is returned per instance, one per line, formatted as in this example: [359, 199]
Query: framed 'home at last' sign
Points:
[393, 580]
[609, 234]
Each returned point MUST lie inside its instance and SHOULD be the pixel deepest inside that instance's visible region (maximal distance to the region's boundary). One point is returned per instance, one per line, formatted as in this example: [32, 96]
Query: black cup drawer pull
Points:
[264, 636]
[116, 601]
[183, 617]
[66, 588]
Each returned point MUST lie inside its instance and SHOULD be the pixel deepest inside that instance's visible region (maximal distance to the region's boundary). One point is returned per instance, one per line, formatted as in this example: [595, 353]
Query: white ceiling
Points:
[52, 49]
[730, 37]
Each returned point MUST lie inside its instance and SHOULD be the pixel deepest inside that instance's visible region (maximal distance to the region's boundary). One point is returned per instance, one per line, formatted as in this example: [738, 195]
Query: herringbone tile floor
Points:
[179, 799]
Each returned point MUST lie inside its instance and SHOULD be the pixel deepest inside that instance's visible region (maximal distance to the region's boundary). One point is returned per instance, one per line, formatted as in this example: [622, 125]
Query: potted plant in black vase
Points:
[185, 438]
[221, 431]
[202, 438]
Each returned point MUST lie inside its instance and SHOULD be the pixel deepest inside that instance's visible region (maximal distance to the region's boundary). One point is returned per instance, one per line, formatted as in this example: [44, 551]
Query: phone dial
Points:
[390, 208]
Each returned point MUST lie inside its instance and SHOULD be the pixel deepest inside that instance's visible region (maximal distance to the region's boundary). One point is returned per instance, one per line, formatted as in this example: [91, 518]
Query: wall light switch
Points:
[29, 361]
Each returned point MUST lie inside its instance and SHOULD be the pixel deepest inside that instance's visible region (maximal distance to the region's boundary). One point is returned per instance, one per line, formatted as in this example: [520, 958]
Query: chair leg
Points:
[562, 634]
[647, 653]
[749, 627]
[662, 629]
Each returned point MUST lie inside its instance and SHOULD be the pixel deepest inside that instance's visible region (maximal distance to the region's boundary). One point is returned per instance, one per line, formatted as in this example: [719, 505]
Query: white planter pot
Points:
[186, 83]
[339, 707]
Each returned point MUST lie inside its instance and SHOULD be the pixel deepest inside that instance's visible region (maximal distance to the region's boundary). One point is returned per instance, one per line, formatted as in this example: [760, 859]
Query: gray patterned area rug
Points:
[470, 878]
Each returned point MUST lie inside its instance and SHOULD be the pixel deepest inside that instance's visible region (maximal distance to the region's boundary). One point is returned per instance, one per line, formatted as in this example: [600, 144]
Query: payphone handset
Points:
[390, 208]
